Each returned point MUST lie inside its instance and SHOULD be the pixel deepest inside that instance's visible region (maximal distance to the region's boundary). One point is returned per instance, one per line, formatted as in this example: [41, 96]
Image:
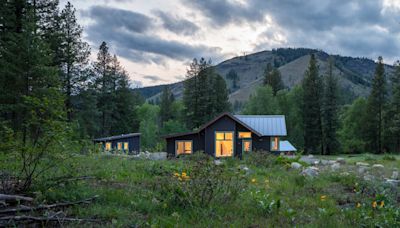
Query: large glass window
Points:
[119, 146]
[223, 144]
[126, 146]
[274, 143]
[108, 146]
[244, 135]
[246, 145]
[183, 147]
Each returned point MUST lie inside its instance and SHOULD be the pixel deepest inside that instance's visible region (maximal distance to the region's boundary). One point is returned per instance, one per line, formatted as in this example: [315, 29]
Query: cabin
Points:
[126, 143]
[231, 136]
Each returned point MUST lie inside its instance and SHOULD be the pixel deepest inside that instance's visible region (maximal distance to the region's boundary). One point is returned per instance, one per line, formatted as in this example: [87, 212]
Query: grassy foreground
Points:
[259, 191]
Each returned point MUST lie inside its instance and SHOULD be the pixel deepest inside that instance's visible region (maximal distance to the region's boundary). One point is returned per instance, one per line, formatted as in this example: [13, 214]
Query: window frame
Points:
[119, 145]
[277, 143]
[245, 137]
[105, 146]
[184, 141]
[251, 145]
[127, 146]
[233, 143]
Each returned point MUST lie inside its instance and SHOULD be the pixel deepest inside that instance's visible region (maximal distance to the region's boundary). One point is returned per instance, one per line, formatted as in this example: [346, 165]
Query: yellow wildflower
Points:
[382, 204]
[183, 174]
[358, 205]
[176, 174]
[323, 197]
[253, 180]
[374, 204]
[266, 181]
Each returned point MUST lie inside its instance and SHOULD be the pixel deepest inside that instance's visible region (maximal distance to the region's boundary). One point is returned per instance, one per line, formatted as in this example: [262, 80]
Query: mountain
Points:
[354, 74]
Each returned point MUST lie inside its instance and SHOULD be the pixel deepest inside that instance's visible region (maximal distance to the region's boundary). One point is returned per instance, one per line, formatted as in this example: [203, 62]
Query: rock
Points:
[310, 156]
[218, 162]
[317, 162]
[335, 166]
[331, 162]
[341, 160]
[368, 177]
[361, 164]
[158, 156]
[295, 165]
[393, 182]
[362, 169]
[395, 175]
[324, 162]
[311, 171]
[380, 166]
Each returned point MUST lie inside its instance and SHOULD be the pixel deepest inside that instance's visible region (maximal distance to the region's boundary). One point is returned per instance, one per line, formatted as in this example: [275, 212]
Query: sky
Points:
[156, 40]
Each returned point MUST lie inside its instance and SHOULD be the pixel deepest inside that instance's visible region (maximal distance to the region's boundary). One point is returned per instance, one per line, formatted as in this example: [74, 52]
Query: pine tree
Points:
[376, 103]
[312, 108]
[167, 98]
[220, 96]
[330, 111]
[394, 108]
[105, 86]
[273, 78]
[74, 53]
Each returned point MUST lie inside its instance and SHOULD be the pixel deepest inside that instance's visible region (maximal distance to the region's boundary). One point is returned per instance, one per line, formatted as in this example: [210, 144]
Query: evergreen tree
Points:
[376, 103]
[394, 109]
[330, 111]
[105, 85]
[232, 75]
[74, 53]
[167, 98]
[272, 77]
[312, 108]
[220, 99]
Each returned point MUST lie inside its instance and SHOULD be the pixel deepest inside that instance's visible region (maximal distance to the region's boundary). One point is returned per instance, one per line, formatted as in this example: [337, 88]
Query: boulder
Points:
[361, 164]
[393, 182]
[158, 156]
[368, 177]
[362, 169]
[341, 160]
[310, 156]
[217, 162]
[335, 166]
[379, 166]
[295, 165]
[311, 171]
[395, 175]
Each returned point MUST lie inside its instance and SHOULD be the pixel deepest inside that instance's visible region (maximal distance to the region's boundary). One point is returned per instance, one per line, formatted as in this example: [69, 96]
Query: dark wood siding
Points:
[225, 123]
[261, 143]
[134, 143]
[196, 138]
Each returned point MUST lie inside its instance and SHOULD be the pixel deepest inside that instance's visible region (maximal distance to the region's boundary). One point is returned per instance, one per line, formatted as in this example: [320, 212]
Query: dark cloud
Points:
[130, 35]
[118, 18]
[176, 24]
[154, 79]
[352, 27]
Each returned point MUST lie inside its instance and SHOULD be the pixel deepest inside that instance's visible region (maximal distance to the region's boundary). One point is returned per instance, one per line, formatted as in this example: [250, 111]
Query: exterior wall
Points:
[134, 143]
[225, 123]
[195, 138]
[262, 143]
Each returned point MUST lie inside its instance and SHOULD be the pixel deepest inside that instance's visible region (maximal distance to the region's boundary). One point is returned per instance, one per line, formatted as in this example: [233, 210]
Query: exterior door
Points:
[246, 146]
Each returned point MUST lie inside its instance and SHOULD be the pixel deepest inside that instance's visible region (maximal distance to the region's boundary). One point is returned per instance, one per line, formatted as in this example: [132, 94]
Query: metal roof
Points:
[286, 146]
[266, 125]
[116, 137]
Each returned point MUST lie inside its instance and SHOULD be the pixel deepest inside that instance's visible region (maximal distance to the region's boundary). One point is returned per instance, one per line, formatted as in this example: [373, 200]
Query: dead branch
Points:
[44, 219]
[46, 207]
[4, 197]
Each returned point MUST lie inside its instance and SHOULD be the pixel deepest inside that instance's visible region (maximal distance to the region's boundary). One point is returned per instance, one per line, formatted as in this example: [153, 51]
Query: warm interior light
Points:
[183, 147]
[224, 144]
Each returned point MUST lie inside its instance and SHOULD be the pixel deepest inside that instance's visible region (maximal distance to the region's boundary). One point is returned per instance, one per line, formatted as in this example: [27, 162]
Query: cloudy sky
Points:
[156, 39]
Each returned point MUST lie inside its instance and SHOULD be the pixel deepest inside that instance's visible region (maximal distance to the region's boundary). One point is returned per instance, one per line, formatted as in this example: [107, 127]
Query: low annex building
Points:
[231, 135]
[126, 143]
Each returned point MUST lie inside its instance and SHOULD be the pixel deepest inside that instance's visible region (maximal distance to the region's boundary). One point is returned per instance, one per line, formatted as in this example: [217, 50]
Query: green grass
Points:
[134, 193]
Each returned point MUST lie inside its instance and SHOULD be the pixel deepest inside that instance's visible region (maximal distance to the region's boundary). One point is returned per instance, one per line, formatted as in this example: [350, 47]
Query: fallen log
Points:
[44, 219]
[7, 198]
[46, 207]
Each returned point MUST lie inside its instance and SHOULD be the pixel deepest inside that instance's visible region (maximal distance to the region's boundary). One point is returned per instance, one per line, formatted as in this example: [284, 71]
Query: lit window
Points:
[244, 135]
[183, 147]
[246, 146]
[108, 146]
[274, 143]
[126, 146]
[119, 146]
[223, 144]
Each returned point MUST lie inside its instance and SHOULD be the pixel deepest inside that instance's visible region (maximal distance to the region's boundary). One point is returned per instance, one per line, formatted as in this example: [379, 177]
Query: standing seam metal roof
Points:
[267, 125]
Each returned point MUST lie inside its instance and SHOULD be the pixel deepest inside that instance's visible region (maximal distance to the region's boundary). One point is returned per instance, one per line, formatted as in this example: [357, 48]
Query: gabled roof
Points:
[286, 146]
[261, 125]
[116, 137]
[266, 125]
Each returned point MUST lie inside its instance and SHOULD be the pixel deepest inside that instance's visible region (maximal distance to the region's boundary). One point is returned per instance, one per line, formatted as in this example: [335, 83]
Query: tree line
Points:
[320, 123]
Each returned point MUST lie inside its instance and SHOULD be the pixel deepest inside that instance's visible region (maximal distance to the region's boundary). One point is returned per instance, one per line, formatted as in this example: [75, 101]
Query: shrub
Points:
[203, 184]
[260, 158]
[389, 158]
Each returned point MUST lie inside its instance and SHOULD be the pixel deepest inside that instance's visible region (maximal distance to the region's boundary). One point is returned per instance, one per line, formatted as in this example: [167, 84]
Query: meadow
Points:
[260, 190]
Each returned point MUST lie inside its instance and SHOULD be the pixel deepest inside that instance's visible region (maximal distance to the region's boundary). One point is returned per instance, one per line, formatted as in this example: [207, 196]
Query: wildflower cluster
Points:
[182, 177]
